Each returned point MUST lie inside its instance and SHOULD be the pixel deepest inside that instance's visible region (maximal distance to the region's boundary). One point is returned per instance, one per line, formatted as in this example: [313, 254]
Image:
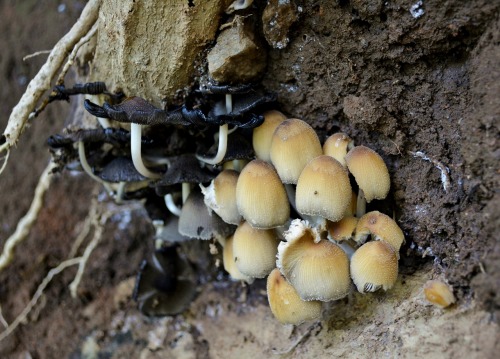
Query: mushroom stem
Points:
[88, 169]
[135, 144]
[120, 191]
[172, 207]
[223, 133]
[186, 190]
[360, 204]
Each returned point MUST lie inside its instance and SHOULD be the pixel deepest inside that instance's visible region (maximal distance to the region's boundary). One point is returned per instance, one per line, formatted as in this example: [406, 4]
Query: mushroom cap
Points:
[374, 265]
[370, 172]
[120, 169]
[263, 135]
[317, 269]
[337, 146]
[220, 196]
[196, 221]
[230, 264]
[286, 304]
[323, 189]
[381, 227]
[255, 250]
[343, 229]
[185, 168]
[261, 197]
[439, 293]
[293, 145]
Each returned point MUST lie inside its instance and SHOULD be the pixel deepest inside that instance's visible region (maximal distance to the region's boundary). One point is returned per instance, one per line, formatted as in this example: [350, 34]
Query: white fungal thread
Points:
[445, 171]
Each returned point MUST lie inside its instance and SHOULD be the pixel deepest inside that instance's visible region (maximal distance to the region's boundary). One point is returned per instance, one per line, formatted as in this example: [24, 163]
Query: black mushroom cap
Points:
[185, 168]
[166, 285]
[120, 169]
[238, 148]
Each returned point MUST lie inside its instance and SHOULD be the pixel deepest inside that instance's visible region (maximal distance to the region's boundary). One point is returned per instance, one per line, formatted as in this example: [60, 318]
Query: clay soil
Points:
[396, 80]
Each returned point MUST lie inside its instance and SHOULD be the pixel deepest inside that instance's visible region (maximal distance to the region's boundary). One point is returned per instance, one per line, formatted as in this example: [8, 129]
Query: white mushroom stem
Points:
[360, 204]
[120, 191]
[88, 169]
[135, 144]
[186, 190]
[223, 133]
[171, 206]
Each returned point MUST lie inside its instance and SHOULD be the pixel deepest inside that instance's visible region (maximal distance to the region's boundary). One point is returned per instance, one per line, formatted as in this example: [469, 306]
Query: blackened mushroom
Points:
[166, 285]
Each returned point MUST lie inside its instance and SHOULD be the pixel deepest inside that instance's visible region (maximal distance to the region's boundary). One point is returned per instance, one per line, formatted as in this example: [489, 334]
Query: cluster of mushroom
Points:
[294, 202]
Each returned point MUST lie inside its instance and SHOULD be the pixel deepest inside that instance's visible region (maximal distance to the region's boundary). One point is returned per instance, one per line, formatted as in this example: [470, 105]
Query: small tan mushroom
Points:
[220, 196]
[230, 264]
[439, 293]
[323, 189]
[261, 197]
[381, 227]
[263, 135]
[255, 250]
[286, 304]
[293, 145]
[318, 269]
[374, 265]
[337, 146]
[342, 230]
[371, 175]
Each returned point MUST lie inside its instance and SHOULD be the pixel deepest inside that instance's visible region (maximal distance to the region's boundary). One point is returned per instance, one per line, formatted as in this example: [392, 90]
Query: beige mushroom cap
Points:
[293, 145]
[343, 229]
[381, 227]
[439, 293]
[323, 189]
[263, 135]
[374, 265]
[370, 172]
[220, 196]
[318, 269]
[261, 197]
[337, 146]
[230, 264]
[286, 304]
[255, 250]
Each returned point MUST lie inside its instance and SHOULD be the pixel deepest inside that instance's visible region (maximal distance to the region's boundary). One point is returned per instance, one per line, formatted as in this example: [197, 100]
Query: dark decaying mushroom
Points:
[166, 285]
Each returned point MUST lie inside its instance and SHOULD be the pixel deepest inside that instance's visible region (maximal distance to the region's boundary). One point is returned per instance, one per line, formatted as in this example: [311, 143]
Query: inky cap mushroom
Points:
[230, 264]
[261, 197]
[263, 135]
[293, 145]
[318, 269]
[381, 227]
[337, 146]
[439, 293]
[286, 304]
[220, 196]
[374, 265]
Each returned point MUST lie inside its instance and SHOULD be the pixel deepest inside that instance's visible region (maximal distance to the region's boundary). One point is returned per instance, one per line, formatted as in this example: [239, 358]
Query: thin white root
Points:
[2, 319]
[98, 229]
[24, 225]
[90, 220]
[135, 149]
[52, 273]
[35, 54]
[42, 81]
[5, 159]
[445, 171]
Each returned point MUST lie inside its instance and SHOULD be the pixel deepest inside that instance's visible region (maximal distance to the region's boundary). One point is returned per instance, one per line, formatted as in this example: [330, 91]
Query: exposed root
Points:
[43, 52]
[445, 171]
[5, 159]
[42, 81]
[52, 273]
[87, 225]
[2, 319]
[24, 225]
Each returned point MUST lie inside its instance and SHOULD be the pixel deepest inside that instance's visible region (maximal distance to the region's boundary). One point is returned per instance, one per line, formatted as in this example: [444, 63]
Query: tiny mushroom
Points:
[381, 227]
[230, 264]
[255, 250]
[286, 305]
[337, 146]
[220, 196]
[261, 197]
[439, 293]
[323, 189]
[293, 145]
[197, 222]
[374, 265]
[263, 135]
[371, 175]
[317, 268]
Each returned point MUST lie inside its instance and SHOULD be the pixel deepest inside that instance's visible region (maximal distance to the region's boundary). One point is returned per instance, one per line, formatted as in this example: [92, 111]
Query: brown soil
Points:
[392, 81]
